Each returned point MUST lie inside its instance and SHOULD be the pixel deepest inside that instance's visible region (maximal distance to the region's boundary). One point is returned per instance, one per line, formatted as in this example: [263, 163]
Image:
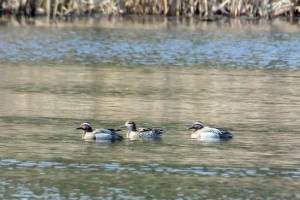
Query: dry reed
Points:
[204, 9]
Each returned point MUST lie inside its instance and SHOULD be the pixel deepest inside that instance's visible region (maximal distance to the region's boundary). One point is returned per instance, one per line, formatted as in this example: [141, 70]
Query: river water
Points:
[240, 75]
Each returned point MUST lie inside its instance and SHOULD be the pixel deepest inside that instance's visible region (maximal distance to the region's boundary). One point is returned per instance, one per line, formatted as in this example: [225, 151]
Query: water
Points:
[243, 77]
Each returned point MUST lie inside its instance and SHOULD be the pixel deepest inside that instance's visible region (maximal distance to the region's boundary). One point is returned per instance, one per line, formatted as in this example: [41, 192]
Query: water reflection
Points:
[173, 94]
[125, 42]
[106, 184]
[201, 171]
[165, 76]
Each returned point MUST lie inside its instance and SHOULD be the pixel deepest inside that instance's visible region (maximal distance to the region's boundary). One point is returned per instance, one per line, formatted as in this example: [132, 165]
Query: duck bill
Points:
[79, 128]
[192, 127]
[122, 127]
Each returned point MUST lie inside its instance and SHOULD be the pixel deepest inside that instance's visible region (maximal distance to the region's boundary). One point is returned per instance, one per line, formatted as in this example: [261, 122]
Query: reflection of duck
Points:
[144, 133]
[99, 134]
[207, 133]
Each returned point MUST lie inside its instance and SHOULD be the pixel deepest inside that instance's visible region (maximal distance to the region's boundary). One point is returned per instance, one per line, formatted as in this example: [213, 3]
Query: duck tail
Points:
[120, 137]
[159, 131]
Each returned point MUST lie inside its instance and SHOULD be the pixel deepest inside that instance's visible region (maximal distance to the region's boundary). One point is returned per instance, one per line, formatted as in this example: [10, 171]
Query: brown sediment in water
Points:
[204, 9]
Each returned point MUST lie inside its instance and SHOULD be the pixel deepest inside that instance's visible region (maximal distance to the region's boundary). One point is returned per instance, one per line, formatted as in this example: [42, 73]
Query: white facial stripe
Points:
[85, 123]
[198, 123]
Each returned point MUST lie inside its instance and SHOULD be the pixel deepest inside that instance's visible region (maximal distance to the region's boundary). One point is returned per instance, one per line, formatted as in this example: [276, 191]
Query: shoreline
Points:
[150, 22]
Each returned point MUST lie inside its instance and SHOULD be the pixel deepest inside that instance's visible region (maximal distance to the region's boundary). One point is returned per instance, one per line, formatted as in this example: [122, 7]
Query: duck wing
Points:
[154, 130]
[144, 129]
[104, 130]
[224, 134]
[107, 134]
[158, 130]
[114, 130]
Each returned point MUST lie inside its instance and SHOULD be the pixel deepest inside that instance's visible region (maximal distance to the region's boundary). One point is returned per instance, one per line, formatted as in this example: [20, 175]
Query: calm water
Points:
[242, 76]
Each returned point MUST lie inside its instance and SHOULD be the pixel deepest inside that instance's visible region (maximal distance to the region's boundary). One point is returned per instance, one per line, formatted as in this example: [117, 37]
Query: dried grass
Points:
[202, 8]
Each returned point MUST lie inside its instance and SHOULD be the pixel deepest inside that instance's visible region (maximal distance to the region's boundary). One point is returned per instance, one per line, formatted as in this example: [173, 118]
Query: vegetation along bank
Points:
[205, 9]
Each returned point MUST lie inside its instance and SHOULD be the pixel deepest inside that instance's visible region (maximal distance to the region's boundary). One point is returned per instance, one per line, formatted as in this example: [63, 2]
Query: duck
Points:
[207, 133]
[135, 133]
[103, 134]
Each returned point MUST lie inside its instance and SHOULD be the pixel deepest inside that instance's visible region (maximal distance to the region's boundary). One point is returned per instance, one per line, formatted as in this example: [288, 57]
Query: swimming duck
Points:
[207, 133]
[143, 133]
[99, 134]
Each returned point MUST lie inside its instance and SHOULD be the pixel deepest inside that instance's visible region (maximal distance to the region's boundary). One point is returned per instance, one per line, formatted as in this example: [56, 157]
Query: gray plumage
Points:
[207, 133]
[135, 133]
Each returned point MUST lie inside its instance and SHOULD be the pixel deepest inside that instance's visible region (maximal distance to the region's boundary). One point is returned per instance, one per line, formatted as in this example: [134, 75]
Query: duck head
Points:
[130, 125]
[197, 126]
[86, 127]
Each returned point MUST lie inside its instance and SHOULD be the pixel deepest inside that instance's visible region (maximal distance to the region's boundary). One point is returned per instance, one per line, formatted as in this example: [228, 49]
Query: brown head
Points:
[130, 125]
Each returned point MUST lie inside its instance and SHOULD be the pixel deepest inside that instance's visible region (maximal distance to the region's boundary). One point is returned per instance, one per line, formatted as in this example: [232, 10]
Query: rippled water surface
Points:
[242, 76]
